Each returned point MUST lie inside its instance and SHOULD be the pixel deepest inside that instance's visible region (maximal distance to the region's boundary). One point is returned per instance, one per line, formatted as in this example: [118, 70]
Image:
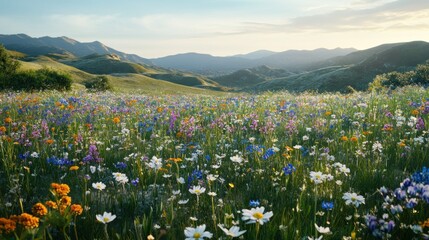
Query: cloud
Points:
[380, 17]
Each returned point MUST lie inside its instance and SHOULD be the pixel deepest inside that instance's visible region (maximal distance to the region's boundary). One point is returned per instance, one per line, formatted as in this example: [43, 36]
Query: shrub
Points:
[392, 80]
[8, 66]
[42, 79]
[99, 84]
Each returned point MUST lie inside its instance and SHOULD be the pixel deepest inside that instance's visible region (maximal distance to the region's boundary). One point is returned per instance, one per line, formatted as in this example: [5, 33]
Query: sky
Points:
[156, 28]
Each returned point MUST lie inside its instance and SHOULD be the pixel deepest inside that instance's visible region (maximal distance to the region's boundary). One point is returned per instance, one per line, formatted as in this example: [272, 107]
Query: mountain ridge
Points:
[44, 45]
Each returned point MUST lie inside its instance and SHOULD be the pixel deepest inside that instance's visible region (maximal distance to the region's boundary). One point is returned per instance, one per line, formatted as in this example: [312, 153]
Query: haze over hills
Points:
[292, 70]
[211, 65]
[356, 69]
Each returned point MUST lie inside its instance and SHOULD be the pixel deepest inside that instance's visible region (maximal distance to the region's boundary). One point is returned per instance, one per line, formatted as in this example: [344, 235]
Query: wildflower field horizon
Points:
[80, 165]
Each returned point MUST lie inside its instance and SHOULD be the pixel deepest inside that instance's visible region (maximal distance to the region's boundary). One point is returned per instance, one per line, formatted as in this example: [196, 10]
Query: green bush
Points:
[392, 80]
[42, 79]
[8, 66]
[99, 84]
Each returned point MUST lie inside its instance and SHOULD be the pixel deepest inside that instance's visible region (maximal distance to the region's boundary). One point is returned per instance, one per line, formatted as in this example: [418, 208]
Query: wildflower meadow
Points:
[80, 165]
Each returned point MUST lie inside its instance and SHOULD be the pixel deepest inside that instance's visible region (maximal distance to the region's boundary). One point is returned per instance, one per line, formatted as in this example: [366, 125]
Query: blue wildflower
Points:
[289, 169]
[327, 205]
[254, 203]
[58, 161]
[135, 181]
[120, 165]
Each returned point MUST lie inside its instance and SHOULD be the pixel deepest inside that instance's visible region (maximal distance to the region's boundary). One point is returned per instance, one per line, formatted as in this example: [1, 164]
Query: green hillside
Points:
[187, 80]
[40, 62]
[369, 63]
[251, 76]
[105, 64]
[125, 82]
[143, 84]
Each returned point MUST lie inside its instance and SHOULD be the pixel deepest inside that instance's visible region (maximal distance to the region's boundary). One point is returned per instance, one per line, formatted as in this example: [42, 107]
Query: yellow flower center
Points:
[258, 215]
[197, 191]
[106, 219]
[197, 235]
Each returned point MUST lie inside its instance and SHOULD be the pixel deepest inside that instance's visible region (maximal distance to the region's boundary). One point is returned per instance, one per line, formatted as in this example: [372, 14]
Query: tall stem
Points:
[106, 234]
[315, 208]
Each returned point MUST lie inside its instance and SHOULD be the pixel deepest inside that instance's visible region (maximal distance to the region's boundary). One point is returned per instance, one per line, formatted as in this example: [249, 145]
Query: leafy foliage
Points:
[42, 79]
[8, 66]
[99, 84]
[393, 80]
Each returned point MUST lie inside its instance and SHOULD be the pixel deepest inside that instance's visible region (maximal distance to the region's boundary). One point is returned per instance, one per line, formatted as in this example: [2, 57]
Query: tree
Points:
[8, 66]
[99, 84]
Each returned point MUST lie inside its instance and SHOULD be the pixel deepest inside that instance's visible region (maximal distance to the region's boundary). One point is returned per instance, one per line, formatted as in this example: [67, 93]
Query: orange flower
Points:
[51, 204]
[65, 201]
[176, 160]
[344, 138]
[353, 139]
[7, 225]
[74, 168]
[425, 224]
[49, 141]
[39, 210]
[289, 149]
[3, 129]
[116, 120]
[76, 209]
[27, 220]
[60, 189]
[8, 120]
[415, 112]
[159, 109]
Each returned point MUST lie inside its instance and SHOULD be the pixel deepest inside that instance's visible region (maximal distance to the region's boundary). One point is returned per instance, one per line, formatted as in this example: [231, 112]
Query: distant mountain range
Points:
[292, 70]
[211, 65]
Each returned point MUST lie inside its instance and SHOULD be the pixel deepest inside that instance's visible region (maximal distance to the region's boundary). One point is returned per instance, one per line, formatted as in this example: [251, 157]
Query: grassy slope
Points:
[143, 84]
[105, 64]
[121, 82]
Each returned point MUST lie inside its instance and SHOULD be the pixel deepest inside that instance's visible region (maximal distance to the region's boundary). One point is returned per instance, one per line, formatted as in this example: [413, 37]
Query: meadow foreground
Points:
[84, 165]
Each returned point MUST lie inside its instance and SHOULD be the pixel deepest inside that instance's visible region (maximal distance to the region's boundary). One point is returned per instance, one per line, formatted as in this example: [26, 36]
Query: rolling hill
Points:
[250, 76]
[292, 70]
[215, 66]
[356, 69]
[105, 64]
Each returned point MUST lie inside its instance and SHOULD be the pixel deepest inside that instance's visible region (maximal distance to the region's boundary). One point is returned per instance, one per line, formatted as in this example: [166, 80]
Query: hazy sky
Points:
[153, 28]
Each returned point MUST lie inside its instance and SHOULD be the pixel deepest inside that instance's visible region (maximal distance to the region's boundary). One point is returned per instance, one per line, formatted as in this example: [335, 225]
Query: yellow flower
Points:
[74, 168]
[344, 138]
[116, 120]
[231, 185]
